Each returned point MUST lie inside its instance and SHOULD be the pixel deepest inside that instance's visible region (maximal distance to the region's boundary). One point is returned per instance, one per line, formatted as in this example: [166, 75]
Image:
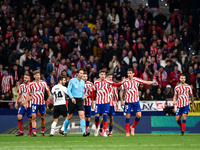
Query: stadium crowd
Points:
[58, 37]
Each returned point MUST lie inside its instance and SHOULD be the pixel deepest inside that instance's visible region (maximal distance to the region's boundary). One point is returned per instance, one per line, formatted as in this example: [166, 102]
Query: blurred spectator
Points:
[129, 59]
[163, 78]
[168, 67]
[51, 65]
[190, 77]
[113, 18]
[159, 95]
[153, 5]
[175, 76]
[52, 79]
[7, 82]
[168, 92]
[147, 96]
[118, 71]
[175, 20]
[15, 91]
[161, 20]
[140, 96]
[112, 64]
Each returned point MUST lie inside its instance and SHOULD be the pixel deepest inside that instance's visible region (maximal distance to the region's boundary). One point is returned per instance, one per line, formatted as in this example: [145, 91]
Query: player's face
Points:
[26, 79]
[63, 81]
[109, 78]
[182, 79]
[85, 77]
[80, 74]
[37, 77]
[130, 74]
[102, 76]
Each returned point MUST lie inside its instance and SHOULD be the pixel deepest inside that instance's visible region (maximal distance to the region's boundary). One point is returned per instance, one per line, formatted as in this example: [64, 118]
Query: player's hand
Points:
[73, 100]
[122, 102]
[84, 97]
[174, 103]
[26, 106]
[16, 105]
[155, 82]
[193, 107]
[92, 104]
[123, 80]
[50, 98]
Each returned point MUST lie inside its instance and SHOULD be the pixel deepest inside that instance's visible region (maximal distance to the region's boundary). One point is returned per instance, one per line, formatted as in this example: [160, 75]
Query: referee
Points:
[75, 90]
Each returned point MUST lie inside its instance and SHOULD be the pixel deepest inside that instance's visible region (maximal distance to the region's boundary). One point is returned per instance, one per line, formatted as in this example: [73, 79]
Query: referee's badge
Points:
[76, 86]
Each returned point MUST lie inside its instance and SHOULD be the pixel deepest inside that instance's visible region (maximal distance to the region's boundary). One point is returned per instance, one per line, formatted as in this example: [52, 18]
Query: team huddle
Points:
[82, 93]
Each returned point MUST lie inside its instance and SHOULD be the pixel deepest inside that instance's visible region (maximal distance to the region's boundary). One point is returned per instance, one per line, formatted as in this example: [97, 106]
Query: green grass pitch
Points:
[117, 142]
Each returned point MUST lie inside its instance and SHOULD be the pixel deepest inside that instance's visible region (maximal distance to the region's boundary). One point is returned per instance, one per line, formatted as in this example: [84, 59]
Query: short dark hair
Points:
[60, 78]
[78, 70]
[102, 71]
[130, 69]
[84, 72]
[109, 74]
[182, 75]
[175, 65]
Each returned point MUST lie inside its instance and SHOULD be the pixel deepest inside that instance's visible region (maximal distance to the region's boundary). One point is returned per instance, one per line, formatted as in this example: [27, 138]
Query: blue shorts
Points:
[35, 108]
[87, 111]
[111, 111]
[135, 106]
[102, 108]
[22, 111]
[182, 110]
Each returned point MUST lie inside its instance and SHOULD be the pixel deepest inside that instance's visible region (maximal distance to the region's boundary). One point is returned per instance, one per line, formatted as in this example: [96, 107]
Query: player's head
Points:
[61, 80]
[130, 73]
[79, 73]
[36, 75]
[102, 74]
[182, 79]
[26, 78]
[85, 77]
[109, 76]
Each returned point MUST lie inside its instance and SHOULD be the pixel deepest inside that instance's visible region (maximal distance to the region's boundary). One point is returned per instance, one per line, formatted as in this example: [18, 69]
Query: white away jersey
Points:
[59, 92]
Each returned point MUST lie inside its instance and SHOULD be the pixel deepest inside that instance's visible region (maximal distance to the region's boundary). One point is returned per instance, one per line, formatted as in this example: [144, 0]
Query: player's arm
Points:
[174, 99]
[69, 88]
[115, 84]
[121, 96]
[150, 82]
[17, 100]
[192, 99]
[49, 94]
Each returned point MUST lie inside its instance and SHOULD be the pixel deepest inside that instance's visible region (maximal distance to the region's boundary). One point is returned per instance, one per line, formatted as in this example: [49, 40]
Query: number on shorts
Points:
[96, 108]
[33, 108]
[19, 109]
[177, 111]
[126, 108]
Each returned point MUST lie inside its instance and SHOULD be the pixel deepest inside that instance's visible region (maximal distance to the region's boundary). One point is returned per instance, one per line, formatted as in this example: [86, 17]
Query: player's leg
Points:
[137, 110]
[21, 112]
[101, 128]
[127, 110]
[178, 116]
[34, 109]
[30, 121]
[184, 116]
[87, 116]
[64, 113]
[105, 111]
[110, 125]
[82, 120]
[53, 126]
[42, 117]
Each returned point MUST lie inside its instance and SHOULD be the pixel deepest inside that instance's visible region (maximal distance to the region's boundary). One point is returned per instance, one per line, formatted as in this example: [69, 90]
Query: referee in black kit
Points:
[75, 90]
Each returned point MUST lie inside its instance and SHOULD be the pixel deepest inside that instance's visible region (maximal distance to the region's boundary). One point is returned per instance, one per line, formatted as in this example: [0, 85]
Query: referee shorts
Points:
[78, 106]
[58, 110]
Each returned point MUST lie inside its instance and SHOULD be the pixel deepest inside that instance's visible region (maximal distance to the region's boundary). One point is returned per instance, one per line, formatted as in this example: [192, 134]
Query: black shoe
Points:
[61, 132]
[20, 133]
[86, 134]
[34, 134]
[65, 134]
[51, 135]
[182, 133]
[42, 133]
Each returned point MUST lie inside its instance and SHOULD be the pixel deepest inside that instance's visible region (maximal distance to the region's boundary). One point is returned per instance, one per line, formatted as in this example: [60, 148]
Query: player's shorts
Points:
[111, 111]
[58, 110]
[135, 106]
[182, 110]
[35, 108]
[22, 111]
[102, 108]
[87, 111]
[72, 107]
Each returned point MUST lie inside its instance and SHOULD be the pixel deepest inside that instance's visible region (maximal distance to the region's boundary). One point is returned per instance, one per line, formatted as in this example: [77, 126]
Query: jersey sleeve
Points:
[190, 90]
[112, 83]
[46, 87]
[20, 89]
[122, 87]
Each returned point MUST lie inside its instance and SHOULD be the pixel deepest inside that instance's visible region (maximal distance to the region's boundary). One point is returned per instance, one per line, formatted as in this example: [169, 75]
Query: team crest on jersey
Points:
[130, 88]
[99, 89]
[103, 84]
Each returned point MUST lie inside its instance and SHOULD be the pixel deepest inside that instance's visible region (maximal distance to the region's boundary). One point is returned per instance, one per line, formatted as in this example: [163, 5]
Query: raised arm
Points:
[150, 82]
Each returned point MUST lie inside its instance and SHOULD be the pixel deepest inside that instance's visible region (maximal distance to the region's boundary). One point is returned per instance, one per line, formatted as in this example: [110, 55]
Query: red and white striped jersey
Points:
[102, 88]
[113, 95]
[23, 89]
[7, 83]
[88, 91]
[37, 90]
[183, 92]
[131, 89]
